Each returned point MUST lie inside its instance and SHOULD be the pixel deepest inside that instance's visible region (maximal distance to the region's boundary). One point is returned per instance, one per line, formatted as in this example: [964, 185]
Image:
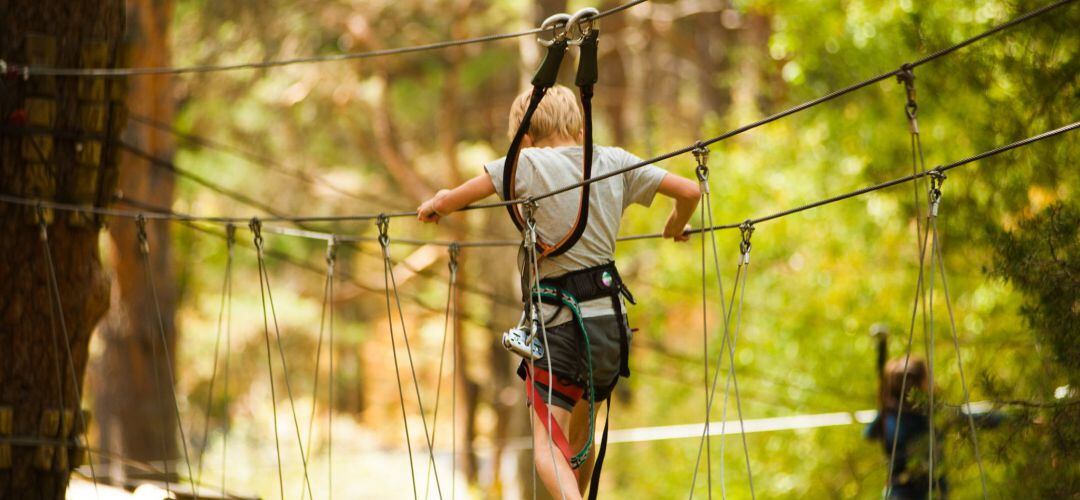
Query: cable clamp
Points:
[39, 215]
[383, 223]
[701, 154]
[140, 229]
[937, 178]
[331, 251]
[530, 222]
[455, 252]
[256, 229]
[584, 21]
[558, 24]
[747, 231]
[230, 237]
[907, 76]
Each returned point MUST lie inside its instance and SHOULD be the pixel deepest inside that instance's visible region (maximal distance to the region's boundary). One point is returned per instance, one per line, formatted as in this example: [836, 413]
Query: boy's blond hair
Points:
[558, 113]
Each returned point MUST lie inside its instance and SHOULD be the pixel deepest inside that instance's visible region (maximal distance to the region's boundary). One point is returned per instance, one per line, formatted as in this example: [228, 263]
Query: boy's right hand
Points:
[426, 211]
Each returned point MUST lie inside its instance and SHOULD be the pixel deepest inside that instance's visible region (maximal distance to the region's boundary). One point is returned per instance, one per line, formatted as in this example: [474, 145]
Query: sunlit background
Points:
[381, 134]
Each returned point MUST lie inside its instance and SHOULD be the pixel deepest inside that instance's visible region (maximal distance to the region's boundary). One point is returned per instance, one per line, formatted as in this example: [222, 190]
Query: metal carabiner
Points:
[558, 24]
[586, 15]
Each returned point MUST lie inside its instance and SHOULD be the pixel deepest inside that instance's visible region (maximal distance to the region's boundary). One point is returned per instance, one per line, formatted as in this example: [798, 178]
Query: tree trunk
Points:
[134, 422]
[46, 153]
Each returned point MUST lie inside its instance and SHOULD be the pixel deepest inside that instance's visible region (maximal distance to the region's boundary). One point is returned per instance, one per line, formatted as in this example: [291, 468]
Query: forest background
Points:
[382, 134]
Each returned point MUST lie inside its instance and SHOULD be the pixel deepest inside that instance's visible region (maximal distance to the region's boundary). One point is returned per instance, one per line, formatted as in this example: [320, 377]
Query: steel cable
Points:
[144, 252]
[209, 68]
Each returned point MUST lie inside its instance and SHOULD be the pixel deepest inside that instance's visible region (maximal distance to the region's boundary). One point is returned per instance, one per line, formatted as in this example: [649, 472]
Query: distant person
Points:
[910, 478]
[552, 158]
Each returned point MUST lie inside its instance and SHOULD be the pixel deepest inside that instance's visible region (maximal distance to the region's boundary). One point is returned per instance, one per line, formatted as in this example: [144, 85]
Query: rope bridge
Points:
[931, 279]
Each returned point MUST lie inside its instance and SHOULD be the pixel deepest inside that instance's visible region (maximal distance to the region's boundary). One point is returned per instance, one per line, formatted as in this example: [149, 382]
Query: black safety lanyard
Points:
[543, 80]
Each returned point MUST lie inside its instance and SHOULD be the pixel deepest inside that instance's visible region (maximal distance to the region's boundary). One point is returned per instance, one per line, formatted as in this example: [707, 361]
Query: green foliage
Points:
[818, 279]
[1041, 258]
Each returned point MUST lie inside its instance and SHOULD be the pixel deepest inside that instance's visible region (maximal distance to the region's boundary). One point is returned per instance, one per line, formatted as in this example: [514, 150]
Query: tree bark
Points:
[134, 422]
[51, 148]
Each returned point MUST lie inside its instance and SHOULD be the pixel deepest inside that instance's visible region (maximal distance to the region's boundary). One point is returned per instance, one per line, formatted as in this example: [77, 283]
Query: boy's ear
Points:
[581, 135]
[526, 141]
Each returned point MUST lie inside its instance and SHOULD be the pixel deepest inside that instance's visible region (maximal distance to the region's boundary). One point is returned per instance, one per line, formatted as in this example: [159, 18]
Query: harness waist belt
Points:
[591, 283]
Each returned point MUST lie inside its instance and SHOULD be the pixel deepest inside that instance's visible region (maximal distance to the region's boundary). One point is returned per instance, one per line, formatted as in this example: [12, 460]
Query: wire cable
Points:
[285, 375]
[959, 361]
[383, 226]
[258, 160]
[326, 304]
[153, 215]
[814, 102]
[226, 301]
[209, 68]
[450, 294]
[57, 305]
[144, 252]
[258, 241]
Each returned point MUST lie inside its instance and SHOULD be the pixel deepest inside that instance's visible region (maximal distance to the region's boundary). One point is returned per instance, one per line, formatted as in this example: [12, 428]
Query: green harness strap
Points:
[554, 294]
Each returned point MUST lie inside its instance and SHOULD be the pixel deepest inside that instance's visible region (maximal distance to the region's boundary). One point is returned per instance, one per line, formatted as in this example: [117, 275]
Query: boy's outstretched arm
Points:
[686, 194]
[450, 200]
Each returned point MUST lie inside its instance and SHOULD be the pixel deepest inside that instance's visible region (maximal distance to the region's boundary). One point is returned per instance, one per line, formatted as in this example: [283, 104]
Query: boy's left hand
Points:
[680, 236]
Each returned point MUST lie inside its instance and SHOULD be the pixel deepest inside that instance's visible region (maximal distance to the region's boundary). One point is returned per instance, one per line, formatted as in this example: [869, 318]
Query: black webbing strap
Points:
[586, 78]
[594, 481]
[624, 337]
[543, 80]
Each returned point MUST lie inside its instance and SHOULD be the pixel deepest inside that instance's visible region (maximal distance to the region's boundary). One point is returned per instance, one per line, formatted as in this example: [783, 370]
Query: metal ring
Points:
[558, 24]
[588, 14]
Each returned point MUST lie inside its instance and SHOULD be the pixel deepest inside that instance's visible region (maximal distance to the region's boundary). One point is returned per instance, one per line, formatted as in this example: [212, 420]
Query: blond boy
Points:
[551, 158]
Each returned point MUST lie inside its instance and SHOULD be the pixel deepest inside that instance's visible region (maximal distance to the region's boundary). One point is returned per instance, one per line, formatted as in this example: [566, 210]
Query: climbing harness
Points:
[524, 340]
[563, 26]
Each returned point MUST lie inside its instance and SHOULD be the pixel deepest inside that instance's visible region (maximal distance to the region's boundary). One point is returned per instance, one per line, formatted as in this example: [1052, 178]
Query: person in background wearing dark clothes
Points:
[910, 478]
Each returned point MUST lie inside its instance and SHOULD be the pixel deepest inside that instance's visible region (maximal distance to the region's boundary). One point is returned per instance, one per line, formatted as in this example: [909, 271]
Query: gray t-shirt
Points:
[541, 170]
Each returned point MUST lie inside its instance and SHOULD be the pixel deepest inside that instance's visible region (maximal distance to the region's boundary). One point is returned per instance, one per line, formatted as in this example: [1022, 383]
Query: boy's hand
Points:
[426, 211]
[677, 235]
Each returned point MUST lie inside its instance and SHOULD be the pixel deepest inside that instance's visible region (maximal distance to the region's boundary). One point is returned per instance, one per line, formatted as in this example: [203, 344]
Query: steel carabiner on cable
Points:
[558, 24]
[584, 16]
